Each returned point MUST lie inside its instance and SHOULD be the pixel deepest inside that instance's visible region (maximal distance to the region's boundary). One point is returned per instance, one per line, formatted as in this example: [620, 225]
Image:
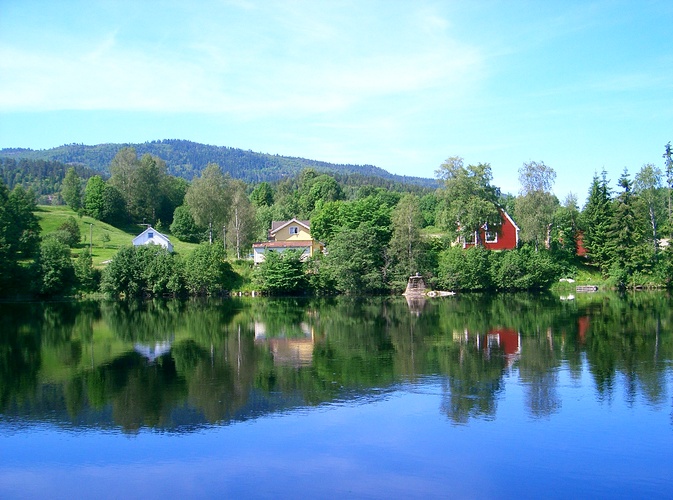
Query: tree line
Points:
[376, 236]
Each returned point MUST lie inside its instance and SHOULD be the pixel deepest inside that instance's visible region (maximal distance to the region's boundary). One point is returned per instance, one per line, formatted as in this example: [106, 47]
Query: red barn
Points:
[505, 238]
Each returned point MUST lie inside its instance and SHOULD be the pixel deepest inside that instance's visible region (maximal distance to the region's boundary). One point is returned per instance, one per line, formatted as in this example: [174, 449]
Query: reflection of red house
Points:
[582, 328]
[501, 340]
[505, 237]
[507, 339]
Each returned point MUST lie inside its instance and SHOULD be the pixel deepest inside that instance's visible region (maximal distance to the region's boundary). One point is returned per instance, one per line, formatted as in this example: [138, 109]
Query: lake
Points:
[469, 396]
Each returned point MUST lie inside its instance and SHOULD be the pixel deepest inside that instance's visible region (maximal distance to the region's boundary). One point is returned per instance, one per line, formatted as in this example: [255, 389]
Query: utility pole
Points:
[224, 239]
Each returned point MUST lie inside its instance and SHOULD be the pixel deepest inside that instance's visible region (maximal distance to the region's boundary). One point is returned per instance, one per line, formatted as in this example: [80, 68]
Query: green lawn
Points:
[51, 217]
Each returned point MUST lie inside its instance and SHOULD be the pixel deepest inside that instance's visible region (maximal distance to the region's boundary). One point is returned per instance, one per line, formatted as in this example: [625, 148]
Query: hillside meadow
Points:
[105, 240]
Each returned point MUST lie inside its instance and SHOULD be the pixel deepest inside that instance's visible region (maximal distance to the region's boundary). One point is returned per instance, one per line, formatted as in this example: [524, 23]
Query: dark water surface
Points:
[463, 397]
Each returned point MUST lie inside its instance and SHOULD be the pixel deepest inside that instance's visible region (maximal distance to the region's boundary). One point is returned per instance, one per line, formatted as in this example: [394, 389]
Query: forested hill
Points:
[187, 159]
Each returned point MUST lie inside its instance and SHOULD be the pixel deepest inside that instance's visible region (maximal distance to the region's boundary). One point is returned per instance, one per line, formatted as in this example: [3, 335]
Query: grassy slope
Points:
[51, 217]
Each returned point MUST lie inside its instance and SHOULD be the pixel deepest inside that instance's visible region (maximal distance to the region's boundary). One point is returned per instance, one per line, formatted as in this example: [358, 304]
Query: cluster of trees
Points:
[42, 177]
[627, 232]
[376, 236]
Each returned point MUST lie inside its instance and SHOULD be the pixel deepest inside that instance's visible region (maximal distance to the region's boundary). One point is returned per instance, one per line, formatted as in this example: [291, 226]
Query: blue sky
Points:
[400, 84]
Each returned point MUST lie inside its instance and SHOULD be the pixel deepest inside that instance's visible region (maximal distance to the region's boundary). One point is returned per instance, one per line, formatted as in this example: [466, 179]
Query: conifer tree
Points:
[596, 220]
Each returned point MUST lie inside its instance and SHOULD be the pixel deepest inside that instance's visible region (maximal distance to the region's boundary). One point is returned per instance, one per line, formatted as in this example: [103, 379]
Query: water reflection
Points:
[178, 365]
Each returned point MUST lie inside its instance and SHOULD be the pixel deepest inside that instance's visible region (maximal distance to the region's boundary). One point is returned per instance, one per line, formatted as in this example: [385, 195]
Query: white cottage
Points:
[151, 236]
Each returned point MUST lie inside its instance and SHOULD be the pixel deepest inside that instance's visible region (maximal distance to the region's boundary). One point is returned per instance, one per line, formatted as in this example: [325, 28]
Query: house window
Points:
[491, 236]
[294, 230]
[150, 234]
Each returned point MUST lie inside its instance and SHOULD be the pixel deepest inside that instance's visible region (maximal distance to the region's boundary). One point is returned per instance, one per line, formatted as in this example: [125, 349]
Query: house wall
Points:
[284, 234]
[258, 254]
[506, 237]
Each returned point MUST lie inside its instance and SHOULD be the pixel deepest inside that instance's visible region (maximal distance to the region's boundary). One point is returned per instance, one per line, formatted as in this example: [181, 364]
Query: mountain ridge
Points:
[187, 159]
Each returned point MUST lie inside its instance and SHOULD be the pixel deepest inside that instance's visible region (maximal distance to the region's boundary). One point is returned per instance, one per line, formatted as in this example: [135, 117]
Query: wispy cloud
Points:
[324, 68]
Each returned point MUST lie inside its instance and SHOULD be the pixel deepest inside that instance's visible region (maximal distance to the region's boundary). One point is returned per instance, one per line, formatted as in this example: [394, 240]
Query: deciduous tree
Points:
[209, 200]
[468, 200]
[71, 190]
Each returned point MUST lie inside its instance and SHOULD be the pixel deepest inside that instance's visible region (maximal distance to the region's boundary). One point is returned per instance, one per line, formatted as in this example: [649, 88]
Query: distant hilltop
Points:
[187, 159]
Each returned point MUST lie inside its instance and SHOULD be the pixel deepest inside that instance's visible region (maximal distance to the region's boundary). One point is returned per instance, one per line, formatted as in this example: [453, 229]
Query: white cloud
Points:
[321, 69]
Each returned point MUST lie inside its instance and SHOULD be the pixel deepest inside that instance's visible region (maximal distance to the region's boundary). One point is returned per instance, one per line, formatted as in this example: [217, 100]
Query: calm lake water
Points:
[463, 397]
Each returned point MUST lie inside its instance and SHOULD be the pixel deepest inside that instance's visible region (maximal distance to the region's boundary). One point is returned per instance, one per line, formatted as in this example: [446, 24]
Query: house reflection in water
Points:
[152, 352]
[295, 351]
[504, 341]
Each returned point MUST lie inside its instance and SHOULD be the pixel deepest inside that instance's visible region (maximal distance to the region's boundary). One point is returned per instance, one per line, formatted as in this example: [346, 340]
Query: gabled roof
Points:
[156, 235]
[509, 219]
[277, 225]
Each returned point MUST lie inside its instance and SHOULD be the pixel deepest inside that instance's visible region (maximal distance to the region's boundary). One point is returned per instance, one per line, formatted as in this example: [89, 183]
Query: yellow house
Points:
[288, 234]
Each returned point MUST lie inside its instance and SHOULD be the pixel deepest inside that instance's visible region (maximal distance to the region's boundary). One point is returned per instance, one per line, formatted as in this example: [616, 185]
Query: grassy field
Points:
[105, 239]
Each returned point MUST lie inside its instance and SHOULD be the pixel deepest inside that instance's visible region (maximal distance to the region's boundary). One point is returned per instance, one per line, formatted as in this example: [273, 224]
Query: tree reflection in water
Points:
[90, 363]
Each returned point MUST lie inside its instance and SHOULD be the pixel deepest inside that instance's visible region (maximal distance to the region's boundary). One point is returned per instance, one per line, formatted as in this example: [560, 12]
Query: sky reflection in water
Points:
[386, 408]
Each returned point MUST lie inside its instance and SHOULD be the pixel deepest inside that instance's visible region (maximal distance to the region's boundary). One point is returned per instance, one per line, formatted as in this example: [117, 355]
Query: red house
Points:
[506, 237]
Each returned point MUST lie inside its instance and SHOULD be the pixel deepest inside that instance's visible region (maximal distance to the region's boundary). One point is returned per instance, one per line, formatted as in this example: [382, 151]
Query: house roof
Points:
[277, 225]
[510, 219]
[157, 234]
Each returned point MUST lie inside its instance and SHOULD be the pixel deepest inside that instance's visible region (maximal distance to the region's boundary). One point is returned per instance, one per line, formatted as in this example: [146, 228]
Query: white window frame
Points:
[294, 230]
[490, 240]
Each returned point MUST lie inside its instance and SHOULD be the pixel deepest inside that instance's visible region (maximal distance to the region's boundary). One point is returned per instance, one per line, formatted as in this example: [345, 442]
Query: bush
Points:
[524, 269]
[467, 269]
[281, 273]
[54, 268]
[144, 270]
[206, 270]
[70, 231]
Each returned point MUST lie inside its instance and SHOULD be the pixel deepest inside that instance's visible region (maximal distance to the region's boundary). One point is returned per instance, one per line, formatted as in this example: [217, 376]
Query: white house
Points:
[151, 236]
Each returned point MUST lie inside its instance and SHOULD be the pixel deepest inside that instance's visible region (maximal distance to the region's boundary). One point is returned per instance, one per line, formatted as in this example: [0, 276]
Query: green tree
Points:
[468, 201]
[406, 246]
[668, 163]
[94, 200]
[140, 182]
[535, 207]
[54, 267]
[184, 226]
[262, 195]
[19, 236]
[71, 190]
[173, 191]
[209, 200]
[595, 221]
[464, 269]
[647, 188]
[206, 270]
[72, 231]
[623, 235]
[355, 260]
[565, 231]
[281, 273]
[123, 274]
[114, 207]
[143, 270]
[242, 218]
[86, 276]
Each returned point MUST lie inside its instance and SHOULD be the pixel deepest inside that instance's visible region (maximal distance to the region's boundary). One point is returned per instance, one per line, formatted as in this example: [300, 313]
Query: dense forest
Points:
[376, 236]
[187, 159]
[43, 177]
